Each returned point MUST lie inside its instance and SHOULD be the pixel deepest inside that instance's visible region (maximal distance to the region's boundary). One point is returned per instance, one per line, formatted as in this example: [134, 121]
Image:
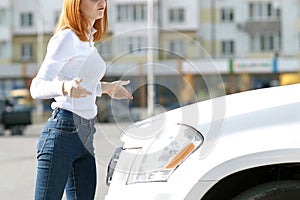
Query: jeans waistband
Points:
[70, 115]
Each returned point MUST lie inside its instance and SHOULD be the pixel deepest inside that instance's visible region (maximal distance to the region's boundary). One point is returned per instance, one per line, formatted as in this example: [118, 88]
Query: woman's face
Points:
[93, 9]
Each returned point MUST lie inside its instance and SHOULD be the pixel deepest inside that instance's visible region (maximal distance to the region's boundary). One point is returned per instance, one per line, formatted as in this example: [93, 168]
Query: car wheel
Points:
[277, 190]
[17, 130]
[2, 129]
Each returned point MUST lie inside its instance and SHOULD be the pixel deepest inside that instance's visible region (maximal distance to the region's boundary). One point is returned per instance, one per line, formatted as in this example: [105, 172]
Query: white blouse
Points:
[68, 57]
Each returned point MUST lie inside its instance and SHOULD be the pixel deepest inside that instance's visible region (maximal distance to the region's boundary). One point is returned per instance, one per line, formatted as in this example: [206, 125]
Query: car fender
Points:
[225, 169]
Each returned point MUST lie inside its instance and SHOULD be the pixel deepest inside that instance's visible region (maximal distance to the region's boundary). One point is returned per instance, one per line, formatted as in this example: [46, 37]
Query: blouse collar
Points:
[91, 36]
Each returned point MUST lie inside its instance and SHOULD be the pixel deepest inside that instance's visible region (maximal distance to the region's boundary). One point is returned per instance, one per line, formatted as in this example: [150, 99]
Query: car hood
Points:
[210, 116]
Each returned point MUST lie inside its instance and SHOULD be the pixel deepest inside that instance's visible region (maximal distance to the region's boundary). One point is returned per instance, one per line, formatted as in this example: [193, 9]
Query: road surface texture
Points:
[18, 160]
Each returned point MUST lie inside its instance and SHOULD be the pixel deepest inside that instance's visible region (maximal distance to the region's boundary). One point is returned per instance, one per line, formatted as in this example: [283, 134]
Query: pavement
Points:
[18, 160]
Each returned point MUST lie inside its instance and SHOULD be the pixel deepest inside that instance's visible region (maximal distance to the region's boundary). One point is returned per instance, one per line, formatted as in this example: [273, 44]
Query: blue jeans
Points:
[65, 155]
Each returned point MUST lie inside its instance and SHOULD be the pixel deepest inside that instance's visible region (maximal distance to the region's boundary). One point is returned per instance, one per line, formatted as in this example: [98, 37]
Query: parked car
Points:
[15, 112]
[21, 99]
[240, 146]
[2, 109]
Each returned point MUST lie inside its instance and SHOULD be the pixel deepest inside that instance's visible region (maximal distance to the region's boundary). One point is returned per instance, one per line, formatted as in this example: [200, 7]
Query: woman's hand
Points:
[116, 89]
[73, 89]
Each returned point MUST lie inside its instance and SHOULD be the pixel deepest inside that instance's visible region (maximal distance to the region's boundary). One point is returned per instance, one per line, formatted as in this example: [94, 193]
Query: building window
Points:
[227, 47]
[131, 13]
[132, 45]
[3, 46]
[56, 16]
[26, 51]
[265, 42]
[177, 48]
[2, 17]
[264, 10]
[176, 15]
[139, 13]
[136, 44]
[105, 49]
[26, 20]
[227, 15]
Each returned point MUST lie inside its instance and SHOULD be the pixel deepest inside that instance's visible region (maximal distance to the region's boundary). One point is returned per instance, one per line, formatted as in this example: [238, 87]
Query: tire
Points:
[277, 190]
[17, 130]
[2, 129]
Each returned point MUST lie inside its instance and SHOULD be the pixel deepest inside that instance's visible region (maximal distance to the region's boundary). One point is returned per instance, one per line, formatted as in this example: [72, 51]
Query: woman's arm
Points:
[60, 49]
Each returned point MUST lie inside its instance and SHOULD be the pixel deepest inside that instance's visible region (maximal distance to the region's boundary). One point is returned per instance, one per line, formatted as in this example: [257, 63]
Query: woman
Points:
[71, 74]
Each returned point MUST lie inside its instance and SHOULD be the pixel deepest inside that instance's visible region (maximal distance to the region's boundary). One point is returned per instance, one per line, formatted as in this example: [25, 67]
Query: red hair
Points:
[72, 18]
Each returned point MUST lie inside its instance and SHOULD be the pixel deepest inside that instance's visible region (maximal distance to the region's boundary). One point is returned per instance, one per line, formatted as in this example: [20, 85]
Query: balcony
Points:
[264, 17]
[262, 26]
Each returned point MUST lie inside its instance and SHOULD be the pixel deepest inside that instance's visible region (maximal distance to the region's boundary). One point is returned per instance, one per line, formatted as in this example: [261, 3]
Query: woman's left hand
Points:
[116, 89]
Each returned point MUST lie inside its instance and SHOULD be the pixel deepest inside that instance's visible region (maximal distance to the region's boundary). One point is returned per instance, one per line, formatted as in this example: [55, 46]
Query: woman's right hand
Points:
[73, 89]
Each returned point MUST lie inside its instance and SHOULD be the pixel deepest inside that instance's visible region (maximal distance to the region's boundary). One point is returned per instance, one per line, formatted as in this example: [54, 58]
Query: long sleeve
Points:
[67, 58]
[59, 51]
[98, 90]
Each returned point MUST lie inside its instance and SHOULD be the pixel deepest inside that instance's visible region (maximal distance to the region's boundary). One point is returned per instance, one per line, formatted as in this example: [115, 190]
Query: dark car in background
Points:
[15, 112]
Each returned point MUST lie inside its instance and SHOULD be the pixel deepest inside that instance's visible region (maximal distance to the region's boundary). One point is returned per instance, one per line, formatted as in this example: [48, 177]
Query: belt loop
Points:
[55, 112]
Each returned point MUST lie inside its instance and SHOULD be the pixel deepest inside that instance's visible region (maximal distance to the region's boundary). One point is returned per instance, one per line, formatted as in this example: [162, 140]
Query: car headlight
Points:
[160, 158]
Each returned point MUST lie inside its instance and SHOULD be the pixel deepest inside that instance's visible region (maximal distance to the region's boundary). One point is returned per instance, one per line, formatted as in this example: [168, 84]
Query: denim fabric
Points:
[65, 156]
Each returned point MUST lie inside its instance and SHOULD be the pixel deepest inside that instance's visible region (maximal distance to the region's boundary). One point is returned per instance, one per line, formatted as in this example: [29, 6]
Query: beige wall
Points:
[190, 38]
[131, 59]
[205, 15]
[18, 40]
[5, 61]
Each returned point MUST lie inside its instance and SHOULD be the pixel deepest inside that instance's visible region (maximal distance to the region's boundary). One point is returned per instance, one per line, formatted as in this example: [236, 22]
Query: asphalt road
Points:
[18, 162]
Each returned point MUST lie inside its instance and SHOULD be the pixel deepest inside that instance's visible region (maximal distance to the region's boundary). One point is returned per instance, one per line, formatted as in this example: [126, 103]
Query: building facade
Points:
[25, 30]
[252, 28]
[197, 46]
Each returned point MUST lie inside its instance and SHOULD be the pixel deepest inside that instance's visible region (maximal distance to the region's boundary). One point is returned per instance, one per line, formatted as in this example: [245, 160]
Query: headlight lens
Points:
[158, 160]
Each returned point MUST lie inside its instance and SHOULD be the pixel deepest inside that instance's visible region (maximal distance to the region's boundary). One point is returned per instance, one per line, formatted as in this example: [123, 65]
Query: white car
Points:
[240, 146]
